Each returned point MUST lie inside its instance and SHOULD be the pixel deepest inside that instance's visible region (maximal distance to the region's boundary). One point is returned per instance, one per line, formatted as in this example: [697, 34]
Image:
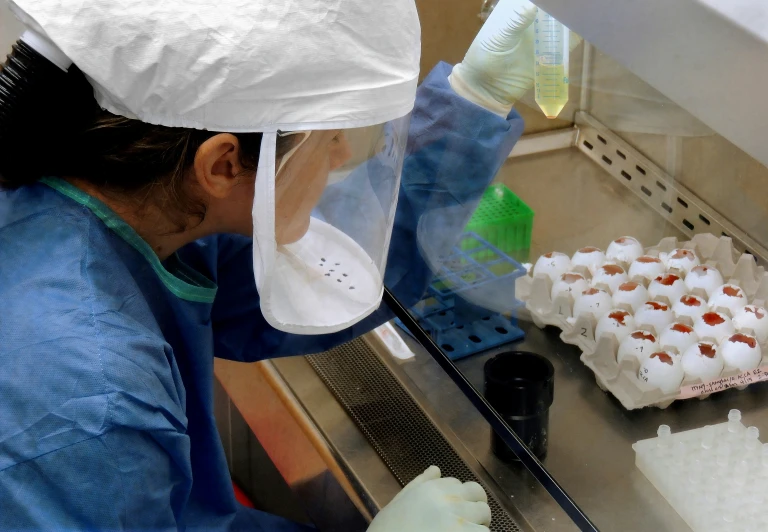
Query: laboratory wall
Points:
[10, 30]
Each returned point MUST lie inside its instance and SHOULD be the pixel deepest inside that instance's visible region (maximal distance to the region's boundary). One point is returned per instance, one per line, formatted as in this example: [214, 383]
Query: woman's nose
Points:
[341, 151]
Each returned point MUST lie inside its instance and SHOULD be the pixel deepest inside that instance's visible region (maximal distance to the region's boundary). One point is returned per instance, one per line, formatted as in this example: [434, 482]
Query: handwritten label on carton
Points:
[723, 383]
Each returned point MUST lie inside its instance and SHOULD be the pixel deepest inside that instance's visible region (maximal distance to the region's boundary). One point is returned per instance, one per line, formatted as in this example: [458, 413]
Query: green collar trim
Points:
[185, 283]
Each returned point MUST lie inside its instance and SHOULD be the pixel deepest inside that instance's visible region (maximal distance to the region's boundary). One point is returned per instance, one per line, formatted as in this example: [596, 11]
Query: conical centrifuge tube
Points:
[550, 61]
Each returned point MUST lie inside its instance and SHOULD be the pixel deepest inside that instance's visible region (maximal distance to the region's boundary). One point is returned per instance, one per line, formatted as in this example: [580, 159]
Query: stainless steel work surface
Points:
[590, 438]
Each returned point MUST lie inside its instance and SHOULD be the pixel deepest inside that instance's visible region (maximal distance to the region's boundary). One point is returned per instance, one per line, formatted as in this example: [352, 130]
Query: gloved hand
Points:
[498, 67]
[433, 504]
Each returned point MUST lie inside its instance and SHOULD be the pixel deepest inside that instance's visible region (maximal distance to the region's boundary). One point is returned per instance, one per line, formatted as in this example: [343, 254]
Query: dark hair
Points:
[51, 125]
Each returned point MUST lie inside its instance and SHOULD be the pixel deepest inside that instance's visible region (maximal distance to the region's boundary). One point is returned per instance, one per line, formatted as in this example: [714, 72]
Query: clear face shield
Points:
[322, 223]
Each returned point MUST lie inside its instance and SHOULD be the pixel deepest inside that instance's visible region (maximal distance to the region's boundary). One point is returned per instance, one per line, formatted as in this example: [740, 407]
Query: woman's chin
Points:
[294, 233]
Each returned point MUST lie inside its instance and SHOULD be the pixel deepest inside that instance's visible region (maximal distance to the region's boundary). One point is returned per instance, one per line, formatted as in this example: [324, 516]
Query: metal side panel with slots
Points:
[671, 200]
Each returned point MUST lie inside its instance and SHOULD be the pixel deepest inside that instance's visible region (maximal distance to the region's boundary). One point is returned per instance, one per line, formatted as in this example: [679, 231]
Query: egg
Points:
[617, 322]
[638, 345]
[589, 258]
[702, 361]
[592, 301]
[714, 326]
[681, 260]
[703, 280]
[662, 370]
[677, 337]
[752, 318]
[553, 265]
[625, 249]
[646, 267]
[669, 287]
[741, 351]
[730, 297]
[609, 276]
[630, 295]
[691, 307]
[569, 283]
[654, 316]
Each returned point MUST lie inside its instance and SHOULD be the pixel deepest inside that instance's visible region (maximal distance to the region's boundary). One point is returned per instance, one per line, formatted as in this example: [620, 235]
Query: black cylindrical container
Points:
[521, 386]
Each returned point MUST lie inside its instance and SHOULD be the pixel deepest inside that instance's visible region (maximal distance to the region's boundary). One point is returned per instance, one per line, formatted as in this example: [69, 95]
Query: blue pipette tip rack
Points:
[474, 271]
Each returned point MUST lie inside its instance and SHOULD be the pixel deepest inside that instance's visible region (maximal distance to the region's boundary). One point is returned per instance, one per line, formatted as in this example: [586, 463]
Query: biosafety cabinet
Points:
[663, 140]
[661, 152]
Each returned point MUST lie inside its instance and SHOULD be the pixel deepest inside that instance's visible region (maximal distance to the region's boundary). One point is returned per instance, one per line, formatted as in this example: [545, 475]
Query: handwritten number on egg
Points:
[584, 332]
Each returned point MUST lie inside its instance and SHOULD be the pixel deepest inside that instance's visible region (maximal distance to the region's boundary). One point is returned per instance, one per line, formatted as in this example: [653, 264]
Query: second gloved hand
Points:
[498, 67]
[433, 504]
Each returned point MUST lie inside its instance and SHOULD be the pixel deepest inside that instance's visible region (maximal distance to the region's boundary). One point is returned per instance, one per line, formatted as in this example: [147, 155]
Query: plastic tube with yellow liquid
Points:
[550, 64]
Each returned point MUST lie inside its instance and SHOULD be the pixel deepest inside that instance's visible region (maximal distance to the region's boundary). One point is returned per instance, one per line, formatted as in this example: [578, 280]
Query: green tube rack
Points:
[503, 220]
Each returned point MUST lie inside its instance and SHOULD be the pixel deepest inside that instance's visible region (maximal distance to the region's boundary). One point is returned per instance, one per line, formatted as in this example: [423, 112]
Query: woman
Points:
[190, 149]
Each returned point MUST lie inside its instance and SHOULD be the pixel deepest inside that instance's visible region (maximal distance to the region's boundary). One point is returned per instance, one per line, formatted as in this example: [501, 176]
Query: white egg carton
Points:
[715, 477]
[621, 379]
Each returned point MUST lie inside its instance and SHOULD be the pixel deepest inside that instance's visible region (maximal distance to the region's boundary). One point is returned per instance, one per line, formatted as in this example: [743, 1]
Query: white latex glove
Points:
[433, 504]
[498, 67]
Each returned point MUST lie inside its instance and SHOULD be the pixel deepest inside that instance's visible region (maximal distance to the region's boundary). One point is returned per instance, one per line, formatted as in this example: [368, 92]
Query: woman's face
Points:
[302, 179]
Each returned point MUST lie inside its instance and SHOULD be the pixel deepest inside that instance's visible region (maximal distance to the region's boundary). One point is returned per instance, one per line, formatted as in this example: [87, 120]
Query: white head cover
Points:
[260, 66]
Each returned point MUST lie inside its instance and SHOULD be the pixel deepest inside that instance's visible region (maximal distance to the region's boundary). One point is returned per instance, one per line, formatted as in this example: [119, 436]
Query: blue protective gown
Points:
[106, 354]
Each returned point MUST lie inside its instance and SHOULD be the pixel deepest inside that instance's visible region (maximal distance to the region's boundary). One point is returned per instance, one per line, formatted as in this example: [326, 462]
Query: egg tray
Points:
[600, 356]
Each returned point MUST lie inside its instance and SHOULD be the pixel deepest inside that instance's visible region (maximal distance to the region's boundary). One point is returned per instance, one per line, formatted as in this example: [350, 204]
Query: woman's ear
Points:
[217, 165]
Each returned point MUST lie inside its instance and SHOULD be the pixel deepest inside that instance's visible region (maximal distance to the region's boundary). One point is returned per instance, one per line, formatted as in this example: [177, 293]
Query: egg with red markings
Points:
[752, 318]
[741, 351]
[553, 265]
[728, 296]
[702, 360]
[631, 295]
[703, 278]
[592, 301]
[662, 370]
[667, 286]
[588, 257]
[610, 276]
[625, 249]
[677, 337]
[617, 322]
[653, 316]
[713, 325]
[691, 307]
[638, 345]
[646, 267]
[681, 260]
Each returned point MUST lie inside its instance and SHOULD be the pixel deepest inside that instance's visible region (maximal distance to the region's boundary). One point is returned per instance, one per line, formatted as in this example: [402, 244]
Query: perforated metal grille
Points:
[390, 419]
